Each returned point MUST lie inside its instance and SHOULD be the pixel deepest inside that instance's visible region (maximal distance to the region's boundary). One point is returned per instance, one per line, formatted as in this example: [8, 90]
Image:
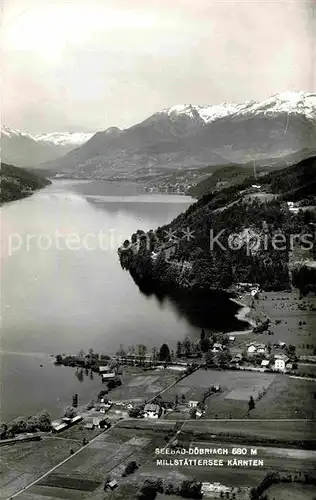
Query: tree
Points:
[134, 412]
[147, 493]
[121, 353]
[141, 351]
[193, 413]
[170, 488]
[81, 355]
[223, 358]
[191, 489]
[179, 350]
[209, 359]
[58, 359]
[164, 353]
[251, 403]
[205, 344]
[150, 489]
[44, 421]
[187, 347]
[202, 336]
[130, 468]
[32, 424]
[3, 430]
[114, 382]
[18, 425]
[102, 393]
[70, 412]
[290, 350]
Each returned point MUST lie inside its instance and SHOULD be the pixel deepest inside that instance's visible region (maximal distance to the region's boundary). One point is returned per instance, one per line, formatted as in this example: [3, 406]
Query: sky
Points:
[87, 65]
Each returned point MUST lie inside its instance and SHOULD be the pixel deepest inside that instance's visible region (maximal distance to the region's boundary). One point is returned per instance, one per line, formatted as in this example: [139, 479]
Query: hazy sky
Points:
[88, 65]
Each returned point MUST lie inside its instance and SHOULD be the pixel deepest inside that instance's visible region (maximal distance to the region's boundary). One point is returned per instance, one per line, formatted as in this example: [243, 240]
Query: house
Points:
[112, 484]
[265, 363]
[292, 207]
[246, 287]
[193, 404]
[217, 347]
[199, 413]
[279, 364]
[104, 369]
[108, 376]
[279, 344]
[280, 361]
[213, 488]
[105, 407]
[252, 349]
[89, 425]
[152, 411]
[154, 255]
[231, 338]
[261, 349]
[59, 426]
[100, 422]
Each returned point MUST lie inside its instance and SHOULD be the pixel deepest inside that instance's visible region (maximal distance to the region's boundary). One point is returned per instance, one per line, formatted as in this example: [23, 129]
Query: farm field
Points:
[291, 492]
[290, 322]
[283, 433]
[297, 327]
[24, 462]
[280, 396]
[139, 385]
[239, 479]
[83, 475]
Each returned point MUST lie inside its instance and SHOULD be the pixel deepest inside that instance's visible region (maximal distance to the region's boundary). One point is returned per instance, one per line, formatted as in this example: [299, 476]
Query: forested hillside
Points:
[230, 236]
[18, 182]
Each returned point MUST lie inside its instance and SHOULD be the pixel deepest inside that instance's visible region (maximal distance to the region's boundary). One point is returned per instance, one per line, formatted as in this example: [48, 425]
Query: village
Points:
[219, 390]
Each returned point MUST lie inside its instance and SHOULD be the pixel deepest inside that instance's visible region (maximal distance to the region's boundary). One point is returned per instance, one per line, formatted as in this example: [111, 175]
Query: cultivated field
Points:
[297, 327]
[24, 462]
[292, 492]
[83, 475]
[139, 385]
[276, 395]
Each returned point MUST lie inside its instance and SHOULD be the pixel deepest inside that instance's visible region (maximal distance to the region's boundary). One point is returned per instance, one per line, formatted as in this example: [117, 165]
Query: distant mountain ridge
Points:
[188, 136]
[23, 149]
[66, 139]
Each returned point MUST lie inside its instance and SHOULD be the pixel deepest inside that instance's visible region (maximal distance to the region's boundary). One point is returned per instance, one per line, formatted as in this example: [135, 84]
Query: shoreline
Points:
[243, 315]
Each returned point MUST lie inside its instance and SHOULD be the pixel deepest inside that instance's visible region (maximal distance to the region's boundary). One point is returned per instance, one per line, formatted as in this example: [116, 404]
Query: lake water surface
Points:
[63, 288]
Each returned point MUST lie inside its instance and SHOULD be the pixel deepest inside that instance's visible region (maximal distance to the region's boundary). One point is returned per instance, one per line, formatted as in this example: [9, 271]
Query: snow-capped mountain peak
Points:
[64, 138]
[288, 102]
[10, 132]
[284, 102]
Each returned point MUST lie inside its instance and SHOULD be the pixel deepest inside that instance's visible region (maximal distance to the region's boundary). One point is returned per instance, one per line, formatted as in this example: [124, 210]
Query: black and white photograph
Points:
[158, 250]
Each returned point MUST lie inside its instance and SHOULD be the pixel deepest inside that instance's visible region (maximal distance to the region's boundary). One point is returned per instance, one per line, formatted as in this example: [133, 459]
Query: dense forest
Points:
[255, 243]
[18, 182]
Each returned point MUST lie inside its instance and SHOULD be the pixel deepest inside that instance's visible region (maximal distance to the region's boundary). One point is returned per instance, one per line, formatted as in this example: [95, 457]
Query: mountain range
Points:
[23, 149]
[188, 137]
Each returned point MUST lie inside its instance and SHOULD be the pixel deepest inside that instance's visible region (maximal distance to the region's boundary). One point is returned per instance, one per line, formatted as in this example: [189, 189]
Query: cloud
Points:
[107, 63]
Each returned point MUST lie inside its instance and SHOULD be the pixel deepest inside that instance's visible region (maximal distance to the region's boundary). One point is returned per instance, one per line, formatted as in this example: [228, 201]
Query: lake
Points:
[63, 288]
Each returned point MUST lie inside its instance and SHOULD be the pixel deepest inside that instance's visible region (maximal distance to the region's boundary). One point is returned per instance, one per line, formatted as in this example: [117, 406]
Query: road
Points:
[283, 458]
[59, 464]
